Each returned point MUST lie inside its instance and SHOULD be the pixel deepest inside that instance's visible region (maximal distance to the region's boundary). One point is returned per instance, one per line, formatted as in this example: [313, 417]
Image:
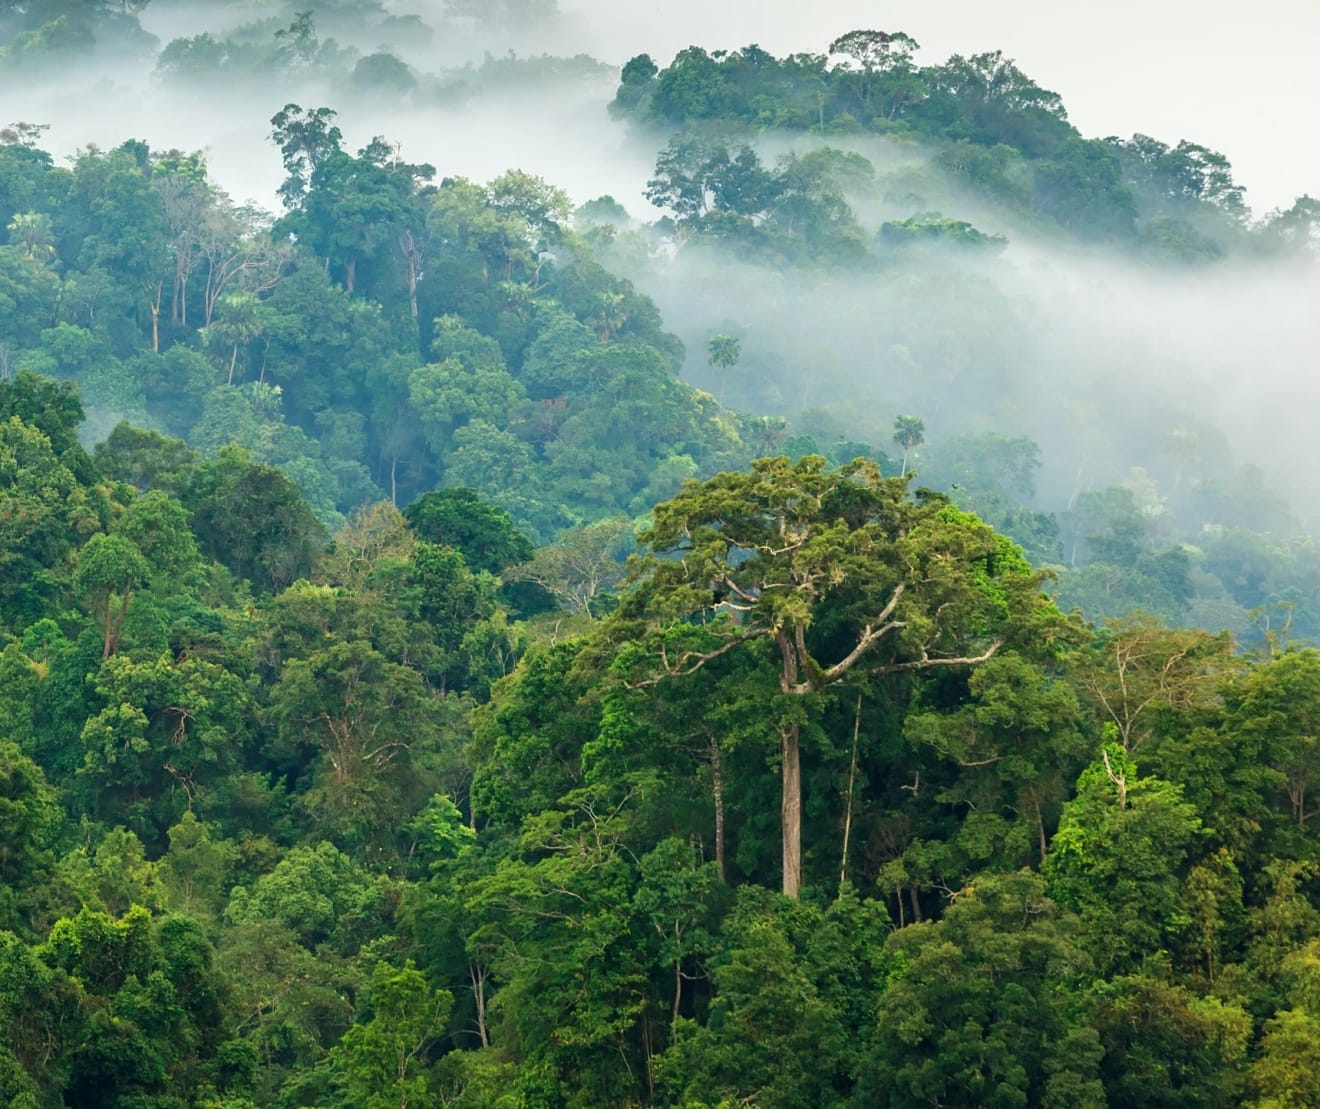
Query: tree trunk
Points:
[852, 781]
[791, 809]
[178, 281]
[478, 976]
[678, 996]
[648, 1048]
[350, 275]
[209, 296]
[790, 753]
[717, 788]
[114, 621]
[154, 305]
[916, 903]
[1119, 780]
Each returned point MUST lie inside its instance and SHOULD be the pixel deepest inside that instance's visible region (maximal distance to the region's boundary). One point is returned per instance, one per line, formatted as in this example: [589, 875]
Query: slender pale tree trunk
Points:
[178, 281]
[852, 781]
[790, 757]
[155, 316]
[678, 996]
[648, 1048]
[916, 903]
[717, 788]
[1041, 841]
[412, 254]
[106, 639]
[791, 809]
[478, 976]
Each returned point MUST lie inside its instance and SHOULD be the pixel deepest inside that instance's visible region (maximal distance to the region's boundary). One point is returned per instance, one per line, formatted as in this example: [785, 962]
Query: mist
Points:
[1096, 357]
[1241, 82]
[561, 133]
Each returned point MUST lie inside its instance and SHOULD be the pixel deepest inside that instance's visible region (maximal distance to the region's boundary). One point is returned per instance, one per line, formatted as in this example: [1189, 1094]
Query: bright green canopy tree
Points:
[839, 571]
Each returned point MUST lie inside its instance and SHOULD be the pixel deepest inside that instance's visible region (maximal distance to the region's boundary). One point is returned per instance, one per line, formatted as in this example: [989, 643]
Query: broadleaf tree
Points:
[840, 572]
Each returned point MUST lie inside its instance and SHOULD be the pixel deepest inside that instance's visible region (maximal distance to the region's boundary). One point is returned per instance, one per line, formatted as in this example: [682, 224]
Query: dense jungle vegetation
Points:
[425, 680]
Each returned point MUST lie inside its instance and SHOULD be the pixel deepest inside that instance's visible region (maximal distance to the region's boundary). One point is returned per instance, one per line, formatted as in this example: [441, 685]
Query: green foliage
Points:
[354, 721]
[1118, 859]
[253, 520]
[796, 211]
[30, 817]
[780, 1019]
[935, 230]
[1176, 1047]
[383, 1060]
[316, 892]
[110, 569]
[991, 126]
[145, 459]
[46, 511]
[482, 533]
[169, 734]
[527, 742]
[454, 847]
[978, 1005]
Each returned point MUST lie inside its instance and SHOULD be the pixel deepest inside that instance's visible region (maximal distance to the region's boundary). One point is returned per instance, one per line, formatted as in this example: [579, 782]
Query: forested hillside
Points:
[821, 641]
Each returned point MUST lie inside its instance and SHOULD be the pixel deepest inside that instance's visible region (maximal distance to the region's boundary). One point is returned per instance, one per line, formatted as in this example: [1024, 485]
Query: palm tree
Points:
[240, 320]
[1184, 447]
[266, 399]
[723, 351]
[909, 433]
[610, 315]
[32, 231]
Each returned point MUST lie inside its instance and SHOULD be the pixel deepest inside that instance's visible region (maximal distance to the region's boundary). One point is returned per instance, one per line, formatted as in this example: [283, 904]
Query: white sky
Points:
[1242, 79]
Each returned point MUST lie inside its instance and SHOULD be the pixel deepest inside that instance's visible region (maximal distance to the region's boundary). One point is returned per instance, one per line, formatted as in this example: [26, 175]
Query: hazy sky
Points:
[1239, 78]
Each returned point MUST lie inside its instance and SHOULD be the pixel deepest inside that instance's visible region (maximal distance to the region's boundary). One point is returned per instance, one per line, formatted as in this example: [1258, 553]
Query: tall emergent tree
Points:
[723, 351]
[839, 571]
[909, 433]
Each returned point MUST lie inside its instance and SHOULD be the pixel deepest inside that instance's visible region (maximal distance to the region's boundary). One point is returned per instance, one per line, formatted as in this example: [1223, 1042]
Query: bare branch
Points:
[928, 663]
[683, 666]
[872, 633]
[1120, 780]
